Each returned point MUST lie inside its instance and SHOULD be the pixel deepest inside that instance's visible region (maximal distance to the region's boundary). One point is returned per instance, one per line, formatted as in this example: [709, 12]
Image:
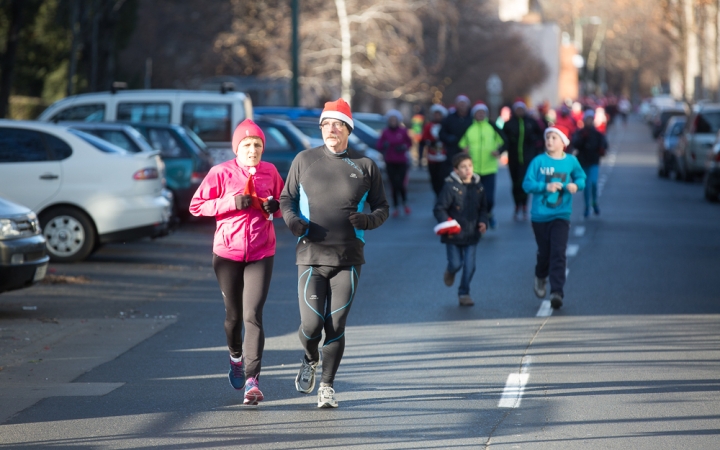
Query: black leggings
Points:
[244, 286]
[396, 174]
[517, 175]
[326, 294]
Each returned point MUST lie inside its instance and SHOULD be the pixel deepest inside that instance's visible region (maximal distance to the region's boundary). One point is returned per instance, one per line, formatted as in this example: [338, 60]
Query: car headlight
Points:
[19, 227]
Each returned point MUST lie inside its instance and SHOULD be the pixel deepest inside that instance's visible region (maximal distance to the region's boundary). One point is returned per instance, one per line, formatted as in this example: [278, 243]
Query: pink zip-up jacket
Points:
[240, 235]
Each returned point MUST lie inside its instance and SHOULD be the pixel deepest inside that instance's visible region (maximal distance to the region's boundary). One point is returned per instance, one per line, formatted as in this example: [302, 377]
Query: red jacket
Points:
[244, 235]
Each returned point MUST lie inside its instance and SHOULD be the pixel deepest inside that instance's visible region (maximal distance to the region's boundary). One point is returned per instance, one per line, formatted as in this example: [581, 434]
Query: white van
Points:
[211, 115]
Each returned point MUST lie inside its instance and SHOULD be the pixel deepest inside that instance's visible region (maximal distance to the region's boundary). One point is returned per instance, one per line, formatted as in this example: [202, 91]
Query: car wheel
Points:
[69, 233]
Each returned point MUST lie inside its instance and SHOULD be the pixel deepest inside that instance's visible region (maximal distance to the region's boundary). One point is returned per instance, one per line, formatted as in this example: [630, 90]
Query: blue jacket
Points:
[543, 169]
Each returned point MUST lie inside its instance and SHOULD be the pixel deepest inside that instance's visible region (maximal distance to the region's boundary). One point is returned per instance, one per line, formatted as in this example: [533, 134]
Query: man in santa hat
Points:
[322, 204]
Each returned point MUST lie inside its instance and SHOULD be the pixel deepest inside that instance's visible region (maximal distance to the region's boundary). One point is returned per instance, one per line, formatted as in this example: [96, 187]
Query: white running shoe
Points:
[305, 380]
[540, 287]
[326, 397]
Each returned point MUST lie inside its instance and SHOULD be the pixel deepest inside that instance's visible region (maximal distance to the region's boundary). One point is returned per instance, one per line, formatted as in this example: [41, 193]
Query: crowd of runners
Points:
[333, 194]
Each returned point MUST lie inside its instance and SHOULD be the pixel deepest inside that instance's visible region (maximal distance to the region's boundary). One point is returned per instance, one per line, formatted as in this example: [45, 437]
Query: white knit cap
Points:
[520, 104]
[437, 107]
[394, 113]
[479, 106]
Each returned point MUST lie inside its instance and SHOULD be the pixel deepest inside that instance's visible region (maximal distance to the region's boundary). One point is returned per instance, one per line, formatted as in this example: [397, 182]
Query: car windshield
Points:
[100, 144]
[707, 122]
[368, 130]
[376, 124]
[309, 129]
[196, 141]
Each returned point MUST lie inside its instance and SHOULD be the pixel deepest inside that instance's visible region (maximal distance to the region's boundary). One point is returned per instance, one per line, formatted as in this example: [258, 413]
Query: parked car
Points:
[23, 253]
[697, 141]
[211, 115]
[120, 134]
[668, 144]
[377, 122]
[711, 181]
[186, 157]
[86, 191]
[282, 142]
[311, 128]
[660, 120]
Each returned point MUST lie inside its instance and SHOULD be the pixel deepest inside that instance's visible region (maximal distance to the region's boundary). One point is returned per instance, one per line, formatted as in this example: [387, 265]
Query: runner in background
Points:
[395, 144]
[434, 149]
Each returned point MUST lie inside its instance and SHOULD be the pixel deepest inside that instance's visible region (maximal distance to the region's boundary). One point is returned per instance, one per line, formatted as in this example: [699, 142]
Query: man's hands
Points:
[242, 202]
[359, 220]
[299, 227]
[482, 227]
[271, 206]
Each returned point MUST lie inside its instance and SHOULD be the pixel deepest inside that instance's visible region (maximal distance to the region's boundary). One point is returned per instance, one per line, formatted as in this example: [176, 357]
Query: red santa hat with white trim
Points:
[561, 131]
[450, 226]
[340, 110]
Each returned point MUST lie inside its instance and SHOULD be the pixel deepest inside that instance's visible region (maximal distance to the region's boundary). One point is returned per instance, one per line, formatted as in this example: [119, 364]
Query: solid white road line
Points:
[515, 386]
[545, 309]
[572, 250]
[579, 231]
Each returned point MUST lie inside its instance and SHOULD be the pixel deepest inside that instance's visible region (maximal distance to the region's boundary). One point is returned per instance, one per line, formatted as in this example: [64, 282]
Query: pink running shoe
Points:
[407, 210]
[253, 395]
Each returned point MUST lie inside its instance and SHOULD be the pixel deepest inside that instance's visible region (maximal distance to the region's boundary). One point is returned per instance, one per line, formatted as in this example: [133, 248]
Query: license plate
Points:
[40, 272]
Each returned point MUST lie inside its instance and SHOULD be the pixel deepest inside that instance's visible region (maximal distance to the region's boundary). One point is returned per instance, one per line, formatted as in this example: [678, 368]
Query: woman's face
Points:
[249, 151]
[393, 122]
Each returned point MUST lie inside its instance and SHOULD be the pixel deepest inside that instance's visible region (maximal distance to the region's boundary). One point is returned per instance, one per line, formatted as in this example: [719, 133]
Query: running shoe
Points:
[540, 287]
[253, 395]
[596, 209]
[407, 210]
[586, 214]
[465, 300]
[326, 397]
[396, 213]
[556, 300]
[237, 375]
[448, 278]
[305, 380]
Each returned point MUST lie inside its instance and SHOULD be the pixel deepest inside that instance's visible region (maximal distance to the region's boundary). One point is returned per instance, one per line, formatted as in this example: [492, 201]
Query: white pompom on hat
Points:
[340, 110]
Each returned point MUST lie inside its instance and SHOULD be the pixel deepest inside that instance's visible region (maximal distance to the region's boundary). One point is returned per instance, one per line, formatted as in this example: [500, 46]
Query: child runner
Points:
[395, 143]
[462, 199]
[484, 142]
[590, 145]
[552, 178]
[241, 194]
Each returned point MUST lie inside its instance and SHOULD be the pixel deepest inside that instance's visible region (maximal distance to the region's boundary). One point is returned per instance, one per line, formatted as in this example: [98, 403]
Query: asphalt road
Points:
[631, 361]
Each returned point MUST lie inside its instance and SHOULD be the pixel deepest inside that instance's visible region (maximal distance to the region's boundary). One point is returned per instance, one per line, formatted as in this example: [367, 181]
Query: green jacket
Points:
[481, 139]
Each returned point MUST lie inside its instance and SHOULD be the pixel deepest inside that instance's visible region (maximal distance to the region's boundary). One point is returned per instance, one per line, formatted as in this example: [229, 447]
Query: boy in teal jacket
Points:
[552, 177]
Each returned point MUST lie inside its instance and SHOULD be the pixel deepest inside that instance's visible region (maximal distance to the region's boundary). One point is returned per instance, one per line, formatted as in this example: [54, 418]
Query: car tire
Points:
[69, 232]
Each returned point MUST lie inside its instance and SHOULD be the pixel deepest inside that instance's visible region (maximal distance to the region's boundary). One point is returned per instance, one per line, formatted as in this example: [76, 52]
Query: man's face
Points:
[335, 135]
[462, 107]
[520, 112]
[480, 115]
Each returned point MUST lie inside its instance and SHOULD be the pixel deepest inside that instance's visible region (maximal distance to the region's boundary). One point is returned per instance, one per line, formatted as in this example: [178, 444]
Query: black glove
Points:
[242, 201]
[359, 220]
[271, 206]
[299, 227]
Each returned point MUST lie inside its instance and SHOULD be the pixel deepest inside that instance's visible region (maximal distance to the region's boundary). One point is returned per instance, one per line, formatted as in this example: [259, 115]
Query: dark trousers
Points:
[397, 173]
[552, 239]
[244, 287]
[488, 183]
[325, 296]
[517, 175]
[437, 176]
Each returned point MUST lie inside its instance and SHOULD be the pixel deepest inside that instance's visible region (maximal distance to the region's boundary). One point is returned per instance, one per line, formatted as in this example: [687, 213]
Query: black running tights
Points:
[244, 286]
[325, 294]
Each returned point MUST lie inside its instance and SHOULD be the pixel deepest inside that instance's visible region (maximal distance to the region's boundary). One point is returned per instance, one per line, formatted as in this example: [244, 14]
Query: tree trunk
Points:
[8, 59]
[75, 27]
[346, 68]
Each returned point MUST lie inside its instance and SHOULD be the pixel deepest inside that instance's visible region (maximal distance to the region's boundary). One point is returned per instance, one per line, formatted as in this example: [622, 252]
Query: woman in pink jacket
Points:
[395, 143]
[241, 194]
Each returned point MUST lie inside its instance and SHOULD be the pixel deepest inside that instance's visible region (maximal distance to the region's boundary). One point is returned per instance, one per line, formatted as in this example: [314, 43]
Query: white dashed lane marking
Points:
[572, 250]
[579, 231]
[515, 386]
[545, 309]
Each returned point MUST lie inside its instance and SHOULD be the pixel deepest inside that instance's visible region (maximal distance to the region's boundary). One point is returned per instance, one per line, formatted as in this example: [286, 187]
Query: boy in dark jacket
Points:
[590, 145]
[462, 199]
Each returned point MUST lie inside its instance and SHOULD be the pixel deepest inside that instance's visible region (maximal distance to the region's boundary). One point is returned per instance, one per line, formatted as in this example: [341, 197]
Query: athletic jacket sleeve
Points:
[463, 144]
[290, 197]
[209, 200]
[445, 135]
[578, 175]
[483, 210]
[382, 143]
[501, 138]
[379, 206]
[443, 203]
[532, 184]
[278, 185]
